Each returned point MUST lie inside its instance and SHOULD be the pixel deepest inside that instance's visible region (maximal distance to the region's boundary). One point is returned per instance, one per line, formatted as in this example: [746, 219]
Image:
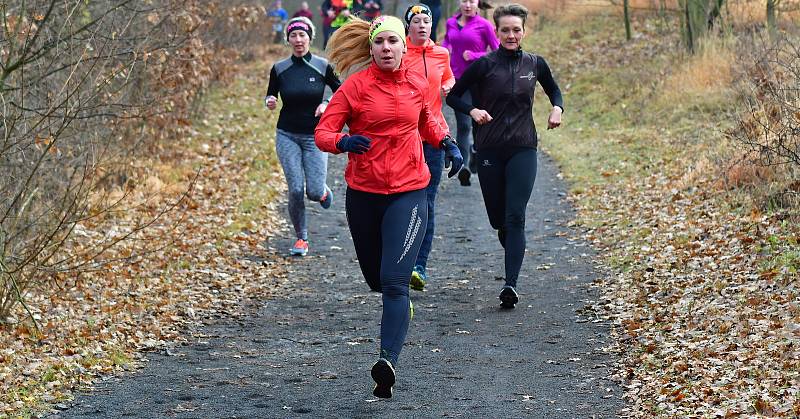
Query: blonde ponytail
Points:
[348, 47]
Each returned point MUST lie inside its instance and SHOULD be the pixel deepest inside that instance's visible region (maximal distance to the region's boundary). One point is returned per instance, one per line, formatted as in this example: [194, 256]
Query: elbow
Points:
[319, 139]
[326, 141]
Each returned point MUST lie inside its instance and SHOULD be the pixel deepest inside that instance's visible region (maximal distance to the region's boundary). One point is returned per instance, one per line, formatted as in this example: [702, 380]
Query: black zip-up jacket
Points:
[502, 83]
[301, 87]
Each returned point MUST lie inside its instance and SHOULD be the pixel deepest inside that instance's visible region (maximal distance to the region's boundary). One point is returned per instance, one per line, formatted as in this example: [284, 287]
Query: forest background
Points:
[137, 158]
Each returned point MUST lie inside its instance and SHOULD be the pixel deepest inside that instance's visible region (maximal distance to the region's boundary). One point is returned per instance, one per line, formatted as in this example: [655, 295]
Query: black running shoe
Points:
[508, 297]
[463, 177]
[383, 374]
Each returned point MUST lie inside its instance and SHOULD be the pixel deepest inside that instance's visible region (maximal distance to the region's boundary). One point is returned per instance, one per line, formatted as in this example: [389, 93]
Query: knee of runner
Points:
[514, 222]
[296, 194]
[374, 287]
[497, 223]
[395, 285]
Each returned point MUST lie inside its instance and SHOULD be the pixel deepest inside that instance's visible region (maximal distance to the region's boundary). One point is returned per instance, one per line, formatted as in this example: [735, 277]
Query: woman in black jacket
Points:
[502, 84]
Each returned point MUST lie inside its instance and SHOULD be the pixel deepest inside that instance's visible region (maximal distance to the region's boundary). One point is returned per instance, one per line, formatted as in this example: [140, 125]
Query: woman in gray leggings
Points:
[300, 80]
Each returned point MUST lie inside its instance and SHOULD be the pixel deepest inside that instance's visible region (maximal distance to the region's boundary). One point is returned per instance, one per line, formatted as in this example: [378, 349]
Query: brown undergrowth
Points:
[704, 292]
[203, 258]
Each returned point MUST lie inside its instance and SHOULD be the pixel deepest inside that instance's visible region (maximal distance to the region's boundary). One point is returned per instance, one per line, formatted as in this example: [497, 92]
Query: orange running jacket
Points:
[434, 62]
[391, 109]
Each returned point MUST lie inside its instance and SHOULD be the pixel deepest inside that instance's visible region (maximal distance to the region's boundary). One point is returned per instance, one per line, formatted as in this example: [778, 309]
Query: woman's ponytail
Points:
[348, 47]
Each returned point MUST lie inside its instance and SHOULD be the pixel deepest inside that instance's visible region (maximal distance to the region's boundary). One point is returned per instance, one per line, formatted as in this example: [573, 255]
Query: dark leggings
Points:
[507, 176]
[435, 161]
[387, 231]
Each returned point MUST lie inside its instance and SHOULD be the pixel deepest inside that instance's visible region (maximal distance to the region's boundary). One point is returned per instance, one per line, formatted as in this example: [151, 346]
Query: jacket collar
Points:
[296, 59]
[470, 21]
[509, 54]
[382, 75]
[427, 46]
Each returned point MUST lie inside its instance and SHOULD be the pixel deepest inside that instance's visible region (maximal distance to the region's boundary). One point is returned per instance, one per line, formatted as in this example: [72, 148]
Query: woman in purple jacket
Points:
[468, 38]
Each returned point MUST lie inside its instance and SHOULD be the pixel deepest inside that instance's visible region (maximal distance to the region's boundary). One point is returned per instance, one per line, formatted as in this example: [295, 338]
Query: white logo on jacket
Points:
[528, 76]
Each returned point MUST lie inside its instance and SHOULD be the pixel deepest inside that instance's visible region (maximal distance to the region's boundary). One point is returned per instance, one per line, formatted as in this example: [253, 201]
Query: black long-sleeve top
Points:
[502, 83]
[301, 87]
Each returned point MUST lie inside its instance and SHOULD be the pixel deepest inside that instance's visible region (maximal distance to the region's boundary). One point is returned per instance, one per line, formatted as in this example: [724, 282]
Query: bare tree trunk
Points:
[714, 13]
[626, 10]
[772, 26]
[689, 32]
[698, 18]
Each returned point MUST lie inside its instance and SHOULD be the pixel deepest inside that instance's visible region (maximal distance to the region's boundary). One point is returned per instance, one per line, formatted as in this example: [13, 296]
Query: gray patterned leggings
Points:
[303, 163]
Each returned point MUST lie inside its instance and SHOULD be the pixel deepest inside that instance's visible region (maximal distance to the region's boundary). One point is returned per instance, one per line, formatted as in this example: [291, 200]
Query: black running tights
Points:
[387, 232]
[507, 176]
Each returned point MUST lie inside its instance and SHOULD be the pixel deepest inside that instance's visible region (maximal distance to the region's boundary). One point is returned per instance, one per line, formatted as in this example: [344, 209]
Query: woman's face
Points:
[419, 29]
[468, 7]
[299, 41]
[510, 31]
[387, 50]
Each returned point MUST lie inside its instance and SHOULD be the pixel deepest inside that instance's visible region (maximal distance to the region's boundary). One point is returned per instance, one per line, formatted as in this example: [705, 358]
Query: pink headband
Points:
[300, 24]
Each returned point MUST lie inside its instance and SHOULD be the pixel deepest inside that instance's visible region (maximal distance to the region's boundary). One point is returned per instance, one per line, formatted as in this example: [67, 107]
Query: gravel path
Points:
[307, 353]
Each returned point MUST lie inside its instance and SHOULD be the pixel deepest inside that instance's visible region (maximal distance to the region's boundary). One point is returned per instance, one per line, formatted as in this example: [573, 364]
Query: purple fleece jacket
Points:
[475, 36]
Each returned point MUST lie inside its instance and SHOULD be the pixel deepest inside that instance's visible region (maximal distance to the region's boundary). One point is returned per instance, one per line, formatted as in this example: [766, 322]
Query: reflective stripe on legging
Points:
[507, 176]
[387, 231]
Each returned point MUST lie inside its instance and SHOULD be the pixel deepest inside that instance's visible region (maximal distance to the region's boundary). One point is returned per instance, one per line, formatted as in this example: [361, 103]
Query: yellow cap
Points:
[387, 23]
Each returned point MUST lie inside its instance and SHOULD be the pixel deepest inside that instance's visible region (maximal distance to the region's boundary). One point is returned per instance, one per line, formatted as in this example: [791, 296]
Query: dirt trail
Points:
[308, 351]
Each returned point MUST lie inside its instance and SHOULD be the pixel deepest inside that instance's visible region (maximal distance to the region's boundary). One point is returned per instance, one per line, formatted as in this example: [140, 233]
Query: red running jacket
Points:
[434, 62]
[390, 108]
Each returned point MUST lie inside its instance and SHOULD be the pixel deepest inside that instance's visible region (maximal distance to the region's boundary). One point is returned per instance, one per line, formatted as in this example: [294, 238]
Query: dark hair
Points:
[512, 9]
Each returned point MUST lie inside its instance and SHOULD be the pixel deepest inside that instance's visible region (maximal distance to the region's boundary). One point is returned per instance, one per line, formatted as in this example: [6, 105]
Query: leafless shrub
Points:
[769, 127]
[82, 85]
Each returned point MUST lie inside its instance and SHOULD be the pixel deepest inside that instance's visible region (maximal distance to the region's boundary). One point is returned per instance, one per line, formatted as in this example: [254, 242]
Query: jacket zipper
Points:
[513, 76]
[424, 63]
[511, 72]
[387, 157]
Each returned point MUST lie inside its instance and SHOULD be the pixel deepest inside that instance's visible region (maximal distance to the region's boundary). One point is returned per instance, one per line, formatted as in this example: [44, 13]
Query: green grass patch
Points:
[622, 262]
[119, 358]
[234, 114]
[622, 119]
[782, 260]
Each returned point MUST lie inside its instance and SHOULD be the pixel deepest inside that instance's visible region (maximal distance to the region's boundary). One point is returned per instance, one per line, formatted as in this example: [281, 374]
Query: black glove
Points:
[356, 144]
[452, 156]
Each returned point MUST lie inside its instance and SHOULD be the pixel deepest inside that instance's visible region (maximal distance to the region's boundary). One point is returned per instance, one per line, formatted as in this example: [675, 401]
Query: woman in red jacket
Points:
[386, 109]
